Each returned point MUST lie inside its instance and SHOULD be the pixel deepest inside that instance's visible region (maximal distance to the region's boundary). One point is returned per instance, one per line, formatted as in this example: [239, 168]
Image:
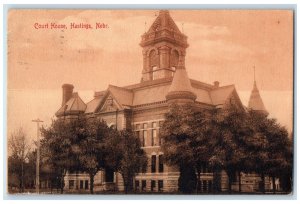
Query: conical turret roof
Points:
[255, 101]
[181, 87]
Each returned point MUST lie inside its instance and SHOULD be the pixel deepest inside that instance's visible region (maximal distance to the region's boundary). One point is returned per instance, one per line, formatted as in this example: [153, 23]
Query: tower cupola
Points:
[163, 46]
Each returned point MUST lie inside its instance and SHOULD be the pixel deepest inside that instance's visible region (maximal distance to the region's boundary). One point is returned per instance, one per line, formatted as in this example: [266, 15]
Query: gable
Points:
[234, 99]
[110, 104]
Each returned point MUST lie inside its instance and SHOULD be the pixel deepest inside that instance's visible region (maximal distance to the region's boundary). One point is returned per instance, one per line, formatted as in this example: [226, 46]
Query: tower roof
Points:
[255, 101]
[164, 28]
[181, 87]
[74, 105]
[164, 21]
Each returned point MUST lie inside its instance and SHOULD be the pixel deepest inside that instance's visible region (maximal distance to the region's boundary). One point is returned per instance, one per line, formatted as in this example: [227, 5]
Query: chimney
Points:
[67, 92]
[216, 84]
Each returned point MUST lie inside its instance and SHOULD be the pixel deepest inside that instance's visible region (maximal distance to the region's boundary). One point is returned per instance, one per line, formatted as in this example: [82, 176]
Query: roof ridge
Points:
[118, 87]
[221, 87]
[148, 83]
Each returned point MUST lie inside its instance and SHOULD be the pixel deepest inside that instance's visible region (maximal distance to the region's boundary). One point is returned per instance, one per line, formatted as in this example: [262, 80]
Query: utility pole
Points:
[37, 179]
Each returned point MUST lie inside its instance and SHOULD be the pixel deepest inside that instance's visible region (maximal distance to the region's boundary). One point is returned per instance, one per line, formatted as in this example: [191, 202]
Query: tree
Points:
[185, 135]
[201, 143]
[286, 174]
[125, 156]
[58, 144]
[19, 148]
[273, 152]
[228, 130]
[90, 146]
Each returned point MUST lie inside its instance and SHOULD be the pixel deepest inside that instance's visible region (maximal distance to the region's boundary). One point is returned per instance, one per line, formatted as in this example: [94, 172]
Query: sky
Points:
[224, 45]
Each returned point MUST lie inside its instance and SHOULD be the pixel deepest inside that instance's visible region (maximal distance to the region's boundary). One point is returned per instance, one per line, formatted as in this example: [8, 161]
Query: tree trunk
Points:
[240, 183]
[198, 184]
[62, 184]
[20, 184]
[262, 182]
[92, 183]
[216, 181]
[229, 174]
[187, 179]
[128, 183]
[22, 177]
[273, 182]
[229, 185]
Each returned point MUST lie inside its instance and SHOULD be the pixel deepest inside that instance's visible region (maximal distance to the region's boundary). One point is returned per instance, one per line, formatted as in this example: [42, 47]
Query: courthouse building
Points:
[142, 107]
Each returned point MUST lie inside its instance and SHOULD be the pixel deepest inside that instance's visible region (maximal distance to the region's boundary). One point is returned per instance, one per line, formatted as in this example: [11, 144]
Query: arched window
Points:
[153, 59]
[112, 125]
[109, 175]
[174, 58]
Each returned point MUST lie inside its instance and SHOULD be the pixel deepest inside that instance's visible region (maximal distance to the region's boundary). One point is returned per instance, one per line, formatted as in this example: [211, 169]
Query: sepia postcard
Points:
[150, 102]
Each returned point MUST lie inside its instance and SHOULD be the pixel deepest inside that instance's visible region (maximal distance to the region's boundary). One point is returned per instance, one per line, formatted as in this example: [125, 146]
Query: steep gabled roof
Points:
[123, 96]
[74, 105]
[221, 94]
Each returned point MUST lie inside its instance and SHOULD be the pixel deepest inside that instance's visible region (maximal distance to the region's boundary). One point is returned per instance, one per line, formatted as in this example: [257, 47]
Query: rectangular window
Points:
[86, 185]
[160, 140]
[71, 184]
[153, 137]
[153, 163]
[154, 125]
[143, 185]
[160, 123]
[152, 185]
[160, 185]
[145, 126]
[137, 126]
[160, 163]
[144, 138]
[137, 185]
[210, 186]
[204, 186]
[200, 186]
[81, 184]
[141, 138]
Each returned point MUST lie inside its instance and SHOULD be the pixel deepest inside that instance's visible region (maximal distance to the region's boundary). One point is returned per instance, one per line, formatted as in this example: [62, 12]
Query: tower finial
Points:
[254, 72]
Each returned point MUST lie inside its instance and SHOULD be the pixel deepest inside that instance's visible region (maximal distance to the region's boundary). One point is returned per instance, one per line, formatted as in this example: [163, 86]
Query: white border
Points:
[207, 4]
